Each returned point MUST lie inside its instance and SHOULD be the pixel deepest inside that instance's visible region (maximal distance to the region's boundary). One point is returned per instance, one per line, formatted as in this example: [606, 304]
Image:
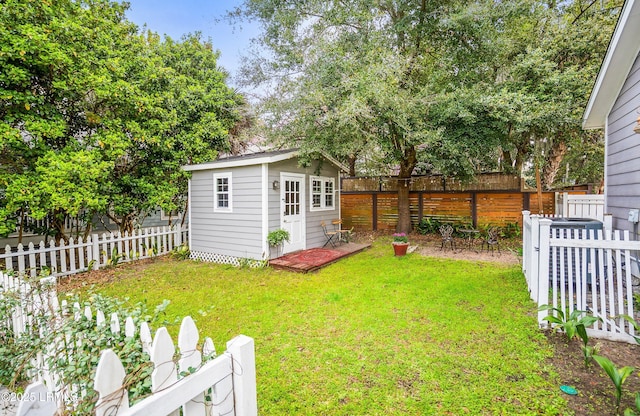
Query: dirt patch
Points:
[106, 275]
[431, 245]
[596, 392]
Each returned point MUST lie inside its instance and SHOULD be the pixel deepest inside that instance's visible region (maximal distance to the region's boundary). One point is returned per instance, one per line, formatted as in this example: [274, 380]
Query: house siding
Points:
[237, 233]
[623, 152]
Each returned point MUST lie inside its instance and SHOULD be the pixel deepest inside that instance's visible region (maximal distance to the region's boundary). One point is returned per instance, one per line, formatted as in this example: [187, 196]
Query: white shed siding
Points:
[623, 152]
[237, 233]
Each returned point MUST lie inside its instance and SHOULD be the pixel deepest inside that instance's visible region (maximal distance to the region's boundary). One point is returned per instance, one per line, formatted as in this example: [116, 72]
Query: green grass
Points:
[371, 334]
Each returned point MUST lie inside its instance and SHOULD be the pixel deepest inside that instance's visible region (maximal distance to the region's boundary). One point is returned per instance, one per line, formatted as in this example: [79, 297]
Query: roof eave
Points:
[221, 164]
[621, 54]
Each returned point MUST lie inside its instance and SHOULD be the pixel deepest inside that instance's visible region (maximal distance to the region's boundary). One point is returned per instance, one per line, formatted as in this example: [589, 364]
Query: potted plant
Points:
[400, 244]
[276, 238]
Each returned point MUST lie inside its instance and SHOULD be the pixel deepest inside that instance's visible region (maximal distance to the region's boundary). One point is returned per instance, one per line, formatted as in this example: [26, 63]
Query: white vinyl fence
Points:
[581, 206]
[584, 270]
[97, 251]
[225, 384]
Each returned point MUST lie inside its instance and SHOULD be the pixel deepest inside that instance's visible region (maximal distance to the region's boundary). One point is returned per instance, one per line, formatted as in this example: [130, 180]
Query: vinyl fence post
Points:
[95, 248]
[534, 261]
[243, 355]
[607, 222]
[526, 244]
[543, 270]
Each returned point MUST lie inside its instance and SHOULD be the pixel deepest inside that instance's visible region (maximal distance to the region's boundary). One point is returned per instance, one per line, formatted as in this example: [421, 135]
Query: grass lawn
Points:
[371, 334]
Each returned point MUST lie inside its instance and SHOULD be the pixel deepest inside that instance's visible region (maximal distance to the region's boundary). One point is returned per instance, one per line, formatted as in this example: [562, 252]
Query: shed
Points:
[234, 202]
[614, 106]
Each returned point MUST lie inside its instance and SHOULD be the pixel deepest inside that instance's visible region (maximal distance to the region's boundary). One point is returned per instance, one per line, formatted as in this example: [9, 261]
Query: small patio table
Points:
[470, 236]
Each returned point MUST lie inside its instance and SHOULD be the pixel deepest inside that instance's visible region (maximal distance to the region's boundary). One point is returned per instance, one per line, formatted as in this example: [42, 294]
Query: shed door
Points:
[292, 208]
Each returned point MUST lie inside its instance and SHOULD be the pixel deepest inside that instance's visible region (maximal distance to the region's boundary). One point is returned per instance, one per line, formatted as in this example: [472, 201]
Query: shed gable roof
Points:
[621, 54]
[254, 159]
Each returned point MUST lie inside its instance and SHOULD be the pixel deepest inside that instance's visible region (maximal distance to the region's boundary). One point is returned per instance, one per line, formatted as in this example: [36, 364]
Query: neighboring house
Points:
[236, 201]
[614, 106]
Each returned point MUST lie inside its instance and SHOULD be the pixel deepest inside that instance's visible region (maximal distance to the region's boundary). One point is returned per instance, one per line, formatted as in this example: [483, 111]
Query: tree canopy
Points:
[97, 117]
[453, 87]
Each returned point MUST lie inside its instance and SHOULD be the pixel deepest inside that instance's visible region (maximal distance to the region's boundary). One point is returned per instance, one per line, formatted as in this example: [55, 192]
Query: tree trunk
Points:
[404, 181]
[558, 151]
[404, 213]
[539, 189]
[352, 165]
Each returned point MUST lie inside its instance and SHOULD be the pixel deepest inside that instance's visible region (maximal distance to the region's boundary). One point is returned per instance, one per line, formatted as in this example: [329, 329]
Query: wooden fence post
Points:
[37, 401]
[242, 350]
[542, 274]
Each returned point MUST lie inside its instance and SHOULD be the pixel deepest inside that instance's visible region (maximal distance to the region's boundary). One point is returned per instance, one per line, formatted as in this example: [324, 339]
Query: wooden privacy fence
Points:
[586, 270]
[371, 203]
[97, 251]
[223, 385]
[378, 210]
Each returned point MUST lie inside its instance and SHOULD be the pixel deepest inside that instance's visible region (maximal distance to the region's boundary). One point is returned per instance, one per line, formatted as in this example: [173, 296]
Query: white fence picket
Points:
[190, 360]
[165, 372]
[108, 383]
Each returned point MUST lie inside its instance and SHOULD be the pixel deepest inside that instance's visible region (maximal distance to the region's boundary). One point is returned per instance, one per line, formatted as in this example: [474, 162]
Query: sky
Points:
[178, 17]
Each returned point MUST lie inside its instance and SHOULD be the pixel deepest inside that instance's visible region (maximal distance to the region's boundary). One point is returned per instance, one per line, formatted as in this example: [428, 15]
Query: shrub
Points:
[181, 253]
[428, 225]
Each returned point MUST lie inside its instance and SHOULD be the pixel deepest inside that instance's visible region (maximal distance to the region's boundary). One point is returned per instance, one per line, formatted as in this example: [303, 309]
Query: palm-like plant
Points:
[617, 375]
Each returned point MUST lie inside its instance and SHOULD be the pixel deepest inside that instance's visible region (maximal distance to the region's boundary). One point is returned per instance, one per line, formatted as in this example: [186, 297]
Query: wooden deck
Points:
[315, 258]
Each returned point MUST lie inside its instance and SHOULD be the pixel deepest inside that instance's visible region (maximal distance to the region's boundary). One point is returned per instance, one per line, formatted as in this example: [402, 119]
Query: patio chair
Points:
[492, 239]
[446, 231]
[331, 236]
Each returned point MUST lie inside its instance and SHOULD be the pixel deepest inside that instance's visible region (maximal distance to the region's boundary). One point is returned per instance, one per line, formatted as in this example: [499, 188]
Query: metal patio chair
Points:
[492, 239]
[446, 231]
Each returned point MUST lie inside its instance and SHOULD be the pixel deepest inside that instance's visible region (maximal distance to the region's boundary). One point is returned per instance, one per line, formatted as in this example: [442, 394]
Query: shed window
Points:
[322, 193]
[222, 201]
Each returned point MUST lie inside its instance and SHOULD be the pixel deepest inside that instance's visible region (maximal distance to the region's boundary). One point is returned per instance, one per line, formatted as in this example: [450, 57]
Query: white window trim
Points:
[164, 216]
[323, 193]
[217, 176]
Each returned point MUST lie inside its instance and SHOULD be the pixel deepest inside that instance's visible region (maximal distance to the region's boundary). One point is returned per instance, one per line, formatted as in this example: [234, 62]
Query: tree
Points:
[536, 81]
[52, 55]
[98, 118]
[459, 87]
[182, 114]
[353, 76]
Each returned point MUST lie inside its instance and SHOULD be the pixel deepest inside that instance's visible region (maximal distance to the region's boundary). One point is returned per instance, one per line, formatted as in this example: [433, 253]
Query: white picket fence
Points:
[584, 270]
[97, 251]
[223, 385]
